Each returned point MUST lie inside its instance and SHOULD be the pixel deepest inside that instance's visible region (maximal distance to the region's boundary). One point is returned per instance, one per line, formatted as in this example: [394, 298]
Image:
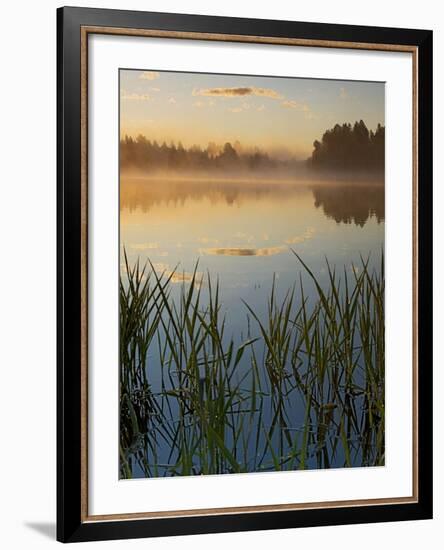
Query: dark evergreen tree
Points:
[346, 147]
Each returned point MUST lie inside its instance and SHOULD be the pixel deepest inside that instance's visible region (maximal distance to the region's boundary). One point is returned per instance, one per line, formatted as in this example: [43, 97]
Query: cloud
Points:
[208, 103]
[143, 246]
[236, 92]
[178, 276]
[297, 239]
[149, 75]
[292, 104]
[207, 240]
[244, 107]
[300, 108]
[161, 267]
[244, 236]
[184, 277]
[172, 101]
[152, 89]
[261, 108]
[134, 96]
[270, 251]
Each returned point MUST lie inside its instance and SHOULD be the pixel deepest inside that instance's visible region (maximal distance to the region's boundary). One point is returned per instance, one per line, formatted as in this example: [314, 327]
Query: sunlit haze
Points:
[282, 116]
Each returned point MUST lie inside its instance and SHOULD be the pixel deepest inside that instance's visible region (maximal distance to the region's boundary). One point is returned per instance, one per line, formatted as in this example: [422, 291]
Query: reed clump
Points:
[302, 387]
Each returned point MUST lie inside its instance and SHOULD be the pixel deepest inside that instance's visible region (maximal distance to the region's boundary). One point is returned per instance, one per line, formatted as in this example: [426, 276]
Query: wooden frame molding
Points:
[85, 32]
[75, 25]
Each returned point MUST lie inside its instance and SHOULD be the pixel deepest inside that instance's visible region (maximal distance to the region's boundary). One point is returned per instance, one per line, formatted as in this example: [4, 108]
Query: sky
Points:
[279, 115]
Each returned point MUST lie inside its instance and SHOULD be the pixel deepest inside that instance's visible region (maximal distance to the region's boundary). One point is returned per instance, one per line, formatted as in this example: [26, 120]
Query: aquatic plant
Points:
[302, 387]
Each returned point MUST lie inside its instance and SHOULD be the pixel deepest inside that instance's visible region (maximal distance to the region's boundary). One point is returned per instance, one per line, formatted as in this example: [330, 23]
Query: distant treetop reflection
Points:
[351, 203]
[143, 193]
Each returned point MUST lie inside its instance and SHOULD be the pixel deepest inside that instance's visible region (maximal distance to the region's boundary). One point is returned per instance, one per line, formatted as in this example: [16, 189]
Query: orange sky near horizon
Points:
[280, 115]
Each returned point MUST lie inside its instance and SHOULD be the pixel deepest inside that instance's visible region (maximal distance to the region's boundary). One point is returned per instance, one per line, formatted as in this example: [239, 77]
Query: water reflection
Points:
[245, 230]
[343, 202]
[233, 241]
[270, 251]
[144, 193]
[351, 204]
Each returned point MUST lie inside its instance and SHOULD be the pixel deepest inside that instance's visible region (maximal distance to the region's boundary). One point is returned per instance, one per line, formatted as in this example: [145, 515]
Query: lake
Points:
[244, 231]
[244, 234]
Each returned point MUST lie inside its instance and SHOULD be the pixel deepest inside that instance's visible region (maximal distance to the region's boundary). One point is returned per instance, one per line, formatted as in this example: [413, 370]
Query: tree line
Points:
[350, 147]
[144, 154]
[342, 147]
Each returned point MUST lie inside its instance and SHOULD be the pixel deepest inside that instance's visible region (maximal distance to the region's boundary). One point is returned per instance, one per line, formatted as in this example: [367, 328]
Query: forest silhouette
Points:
[343, 147]
[350, 147]
[146, 155]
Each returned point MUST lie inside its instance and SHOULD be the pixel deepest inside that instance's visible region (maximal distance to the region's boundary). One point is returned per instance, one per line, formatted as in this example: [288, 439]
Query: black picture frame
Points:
[71, 526]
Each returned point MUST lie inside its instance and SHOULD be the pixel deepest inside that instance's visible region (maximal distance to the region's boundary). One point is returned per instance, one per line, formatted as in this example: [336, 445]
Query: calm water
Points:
[244, 233]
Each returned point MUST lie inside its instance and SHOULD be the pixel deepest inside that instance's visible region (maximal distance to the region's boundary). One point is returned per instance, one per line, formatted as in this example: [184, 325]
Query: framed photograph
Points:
[244, 274]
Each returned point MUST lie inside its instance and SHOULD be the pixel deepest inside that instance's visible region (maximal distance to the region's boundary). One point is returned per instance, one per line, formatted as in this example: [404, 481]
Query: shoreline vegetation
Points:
[343, 148]
[301, 388]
